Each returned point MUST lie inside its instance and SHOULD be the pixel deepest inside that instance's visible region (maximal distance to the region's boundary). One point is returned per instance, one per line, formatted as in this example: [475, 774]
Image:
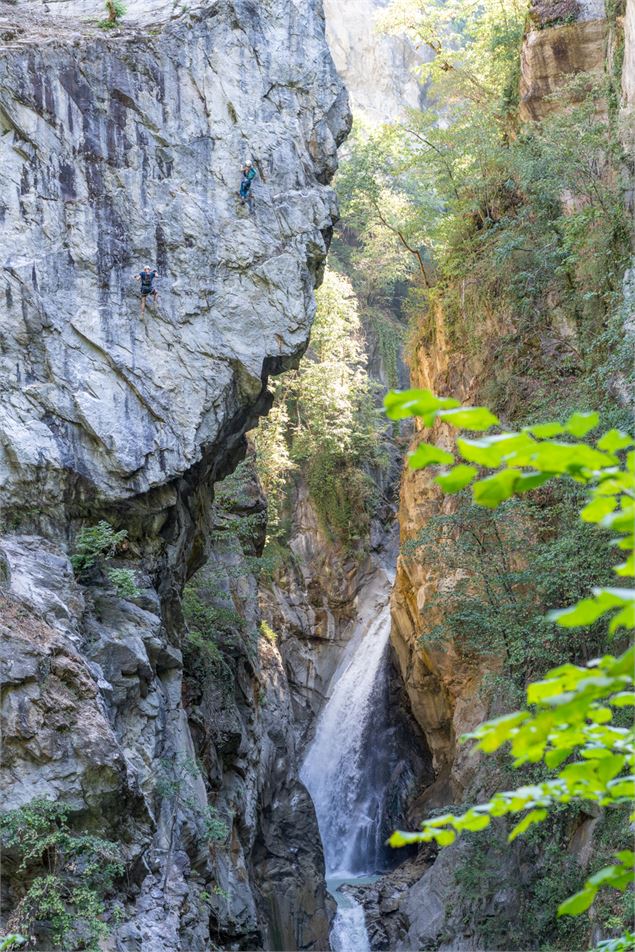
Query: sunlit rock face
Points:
[119, 148]
[564, 38]
[379, 70]
[133, 159]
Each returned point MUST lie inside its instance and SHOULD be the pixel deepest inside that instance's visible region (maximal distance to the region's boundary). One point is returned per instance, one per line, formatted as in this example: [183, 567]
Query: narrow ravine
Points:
[348, 769]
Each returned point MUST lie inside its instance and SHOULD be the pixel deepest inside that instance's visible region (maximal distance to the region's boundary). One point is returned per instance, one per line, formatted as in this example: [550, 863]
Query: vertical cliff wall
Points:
[379, 70]
[119, 148]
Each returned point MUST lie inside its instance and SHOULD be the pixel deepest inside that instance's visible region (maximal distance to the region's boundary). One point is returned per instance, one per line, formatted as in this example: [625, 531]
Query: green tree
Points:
[326, 422]
[115, 10]
[569, 725]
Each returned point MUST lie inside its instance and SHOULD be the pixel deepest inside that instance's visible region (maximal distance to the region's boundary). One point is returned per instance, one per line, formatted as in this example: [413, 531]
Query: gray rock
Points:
[119, 148]
[135, 159]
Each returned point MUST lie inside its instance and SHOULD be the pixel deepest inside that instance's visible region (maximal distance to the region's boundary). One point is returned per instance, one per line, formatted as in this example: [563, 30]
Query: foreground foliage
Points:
[570, 724]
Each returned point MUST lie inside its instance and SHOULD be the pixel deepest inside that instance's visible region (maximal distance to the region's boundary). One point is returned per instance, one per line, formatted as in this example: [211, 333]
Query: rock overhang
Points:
[124, 147]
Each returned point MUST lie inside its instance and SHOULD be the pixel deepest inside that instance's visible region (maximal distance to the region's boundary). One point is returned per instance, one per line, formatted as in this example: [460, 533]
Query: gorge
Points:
[240, 641]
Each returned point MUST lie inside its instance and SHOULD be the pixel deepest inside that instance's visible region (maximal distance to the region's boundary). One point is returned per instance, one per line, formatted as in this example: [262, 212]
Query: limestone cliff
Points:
[379, 70]
[119, 148]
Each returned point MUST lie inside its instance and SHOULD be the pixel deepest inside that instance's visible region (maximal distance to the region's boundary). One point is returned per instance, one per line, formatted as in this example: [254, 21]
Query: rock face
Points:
[564, 38]
[136, 159]
[119, 148]
[379, 70]
[244, 732]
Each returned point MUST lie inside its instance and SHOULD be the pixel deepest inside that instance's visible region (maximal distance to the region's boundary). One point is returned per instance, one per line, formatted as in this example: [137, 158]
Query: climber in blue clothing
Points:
[249, 174]
[147, 278]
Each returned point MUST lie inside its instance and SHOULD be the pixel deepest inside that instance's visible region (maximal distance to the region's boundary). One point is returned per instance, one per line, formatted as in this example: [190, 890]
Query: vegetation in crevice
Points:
[95, 547]
[66, 877]
[216, 629]
[115, 10]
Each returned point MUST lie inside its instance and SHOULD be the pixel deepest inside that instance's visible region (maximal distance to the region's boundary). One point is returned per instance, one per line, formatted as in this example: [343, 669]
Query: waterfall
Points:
[348, 768]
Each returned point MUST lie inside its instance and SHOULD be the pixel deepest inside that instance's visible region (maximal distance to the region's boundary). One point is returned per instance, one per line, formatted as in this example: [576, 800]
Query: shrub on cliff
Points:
[94, 548]
[115, 10]
[65, 876]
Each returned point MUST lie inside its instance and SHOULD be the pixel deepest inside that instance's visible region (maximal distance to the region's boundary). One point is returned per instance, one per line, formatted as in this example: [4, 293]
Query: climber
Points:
[147, 277]
[249, 174]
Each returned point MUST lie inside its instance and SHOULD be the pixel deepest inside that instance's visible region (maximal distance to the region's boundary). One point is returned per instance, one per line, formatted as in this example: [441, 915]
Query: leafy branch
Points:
[568, 723]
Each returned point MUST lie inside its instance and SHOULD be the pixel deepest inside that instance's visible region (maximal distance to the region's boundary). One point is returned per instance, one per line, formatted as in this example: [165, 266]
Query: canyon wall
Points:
[119, 148]
[379, 69]
[423, 904]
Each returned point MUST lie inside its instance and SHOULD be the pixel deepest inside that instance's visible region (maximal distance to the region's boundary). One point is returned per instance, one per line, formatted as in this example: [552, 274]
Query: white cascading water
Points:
[344, 773]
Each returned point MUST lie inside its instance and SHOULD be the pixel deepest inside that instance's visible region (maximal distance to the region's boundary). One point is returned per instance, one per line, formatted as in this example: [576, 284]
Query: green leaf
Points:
[544, 430]
[623, 699]
[626, 569]
[400, 404]
[598, 508]
[614, 440]
[622, 787]
[528, 481]
[496, 732]
[427, 454]
[622, 665]
[492, 450]
[609, 767]
[623, 596]
[469, 418]
[493, 490]
[606, 876]
[623, 619]
[457, 478]
[534, 816]
[400, 838]
[565, 458]
[578, 903]
[579, 424]
[553, 758]
[444, 837]
[627, 857]
[622, 520]
[441, 820]
[588, 610]
[473, 822]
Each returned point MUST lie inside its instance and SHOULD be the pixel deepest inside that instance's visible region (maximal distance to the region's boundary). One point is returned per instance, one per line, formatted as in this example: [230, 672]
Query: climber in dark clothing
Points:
[249, 174]
[147, 277]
